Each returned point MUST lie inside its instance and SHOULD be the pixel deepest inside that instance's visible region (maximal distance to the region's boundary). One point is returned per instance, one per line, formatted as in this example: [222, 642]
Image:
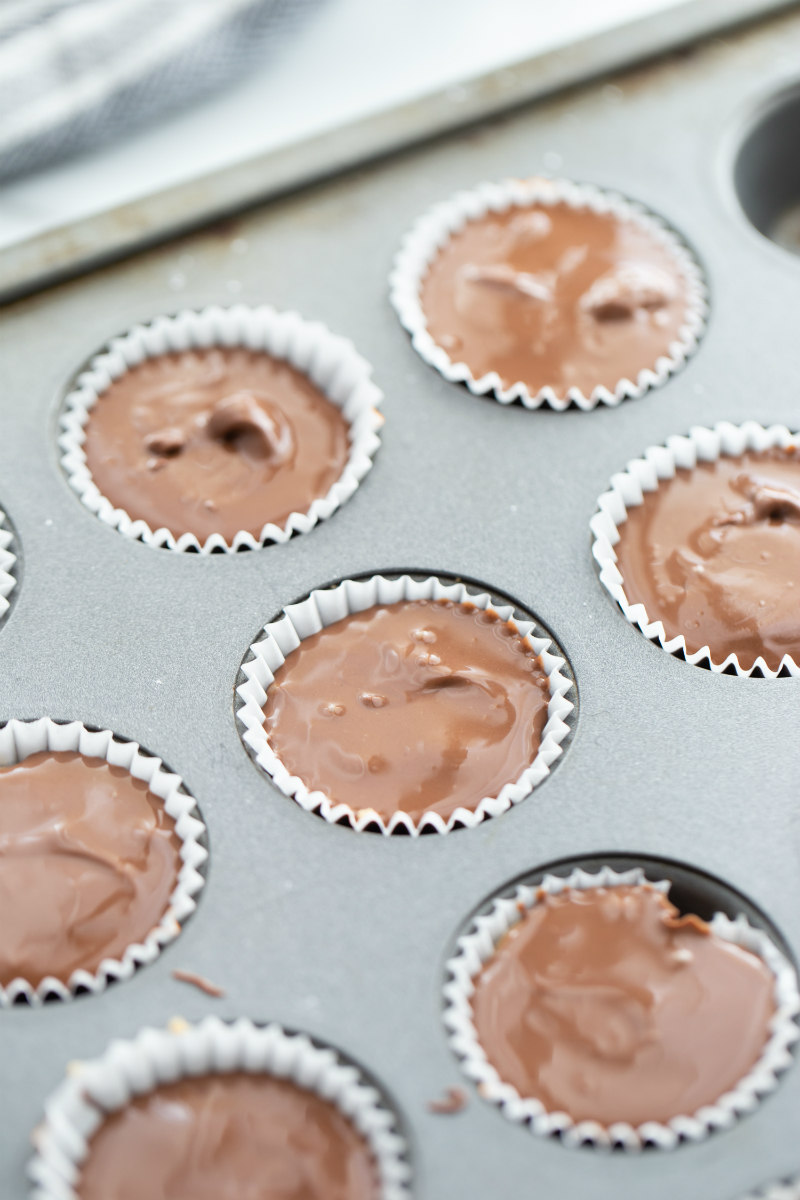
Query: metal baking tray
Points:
[61, 250]
[343, 934]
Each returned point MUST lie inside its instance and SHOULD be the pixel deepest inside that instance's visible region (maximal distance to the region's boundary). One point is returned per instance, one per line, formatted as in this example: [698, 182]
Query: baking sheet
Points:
[342, 934]
[386, 83]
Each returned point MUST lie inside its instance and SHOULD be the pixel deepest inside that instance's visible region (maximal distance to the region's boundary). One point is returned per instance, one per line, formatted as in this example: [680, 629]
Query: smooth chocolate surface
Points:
[715, 554]
[228, 1137]
[215, 441]
[420, 706]
[609, 1006]
[555, 296]
[88, 860]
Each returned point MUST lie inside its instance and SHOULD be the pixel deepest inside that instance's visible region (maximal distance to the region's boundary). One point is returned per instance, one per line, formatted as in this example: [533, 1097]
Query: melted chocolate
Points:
[417, 706]
[88, 860]
[607, 1005]
[228, 1137]
[715, 554]
[215, 441]
[555, 296]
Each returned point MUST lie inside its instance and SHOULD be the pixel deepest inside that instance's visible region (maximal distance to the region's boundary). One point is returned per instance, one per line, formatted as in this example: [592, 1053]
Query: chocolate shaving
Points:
[453, 1101]
[166, 442]
[504, 276]
[617, 295]
[241, 416]
[768, 502]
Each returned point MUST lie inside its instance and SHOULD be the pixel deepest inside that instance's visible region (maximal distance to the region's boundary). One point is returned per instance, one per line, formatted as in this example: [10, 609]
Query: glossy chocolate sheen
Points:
[715, 554]
[609, 1006]
[228, 1137]
[215, 441]
[88, 860]
[420, 706]
[553, 296]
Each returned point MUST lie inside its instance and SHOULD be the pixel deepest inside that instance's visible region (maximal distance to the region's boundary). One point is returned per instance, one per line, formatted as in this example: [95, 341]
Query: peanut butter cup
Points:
[609, 1006]
[220, 430]
[714, 554]
[89, 858]
[419, 706]
[548, 292]
[554, 296]
[215, 441]
[225, 1137]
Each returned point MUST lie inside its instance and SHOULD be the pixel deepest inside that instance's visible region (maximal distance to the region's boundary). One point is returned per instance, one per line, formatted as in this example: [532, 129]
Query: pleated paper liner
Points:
[477, 947]
[127, 1069]
[434, 229]
[21, 739]
[323, 608]
[7, 563]
[644, 475]
[330, 362]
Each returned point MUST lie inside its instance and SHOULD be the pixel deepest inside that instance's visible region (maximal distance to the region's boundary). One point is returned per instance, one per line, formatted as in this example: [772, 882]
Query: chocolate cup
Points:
[92, 1090]
[326, 606]
[330, 362]
[432, 230]
[18, 741]
[643, 475]
[476, 947]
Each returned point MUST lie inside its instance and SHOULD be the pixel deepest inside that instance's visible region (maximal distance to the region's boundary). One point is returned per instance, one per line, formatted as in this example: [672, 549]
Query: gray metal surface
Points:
[345, 934]
[66, 250]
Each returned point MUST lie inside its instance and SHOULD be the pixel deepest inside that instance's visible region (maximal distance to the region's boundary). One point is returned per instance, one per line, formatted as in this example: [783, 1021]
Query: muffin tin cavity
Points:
[532, 656]
[596, 965]
[215, 1050]
[238, 438]
[582, 290]
[718, 615]
[83, 882]
[766, 170]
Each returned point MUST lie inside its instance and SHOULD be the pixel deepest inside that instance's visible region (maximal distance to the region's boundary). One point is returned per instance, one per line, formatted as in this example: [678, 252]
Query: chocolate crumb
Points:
[453, 1101]
[198, 981]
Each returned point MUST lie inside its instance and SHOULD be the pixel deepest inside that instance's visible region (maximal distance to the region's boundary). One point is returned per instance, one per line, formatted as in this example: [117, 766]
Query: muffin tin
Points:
[344, 934]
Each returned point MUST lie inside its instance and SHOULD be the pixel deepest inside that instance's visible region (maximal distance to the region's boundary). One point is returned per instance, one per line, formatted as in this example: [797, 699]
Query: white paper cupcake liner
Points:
[788, 1189]
[7, 561]
[644, 475]
[478, 945]
[434, 229]
[18, 741]
[329, 361]
[127, 1069]
[325, 607]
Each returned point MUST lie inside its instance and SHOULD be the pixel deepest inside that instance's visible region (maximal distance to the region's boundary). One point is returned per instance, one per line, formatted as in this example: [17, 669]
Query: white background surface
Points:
[347, 58]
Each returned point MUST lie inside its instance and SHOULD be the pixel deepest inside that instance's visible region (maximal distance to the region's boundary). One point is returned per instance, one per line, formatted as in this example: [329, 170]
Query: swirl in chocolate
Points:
[215, 441]
[228, 1137]
[607, 1005]
[715, 555]
[420, 706]
[554, 296]
[88, 860]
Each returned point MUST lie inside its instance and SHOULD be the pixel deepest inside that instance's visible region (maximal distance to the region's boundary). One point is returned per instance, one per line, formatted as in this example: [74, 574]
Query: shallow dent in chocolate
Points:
[554, 296]
[88, 860]
[419, 706]
[215, 441]
[228, 1137]
[715, 555]
[608, 1005]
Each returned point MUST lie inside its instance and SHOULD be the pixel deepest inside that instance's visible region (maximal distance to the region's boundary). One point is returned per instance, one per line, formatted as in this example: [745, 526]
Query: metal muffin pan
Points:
[342, 934]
